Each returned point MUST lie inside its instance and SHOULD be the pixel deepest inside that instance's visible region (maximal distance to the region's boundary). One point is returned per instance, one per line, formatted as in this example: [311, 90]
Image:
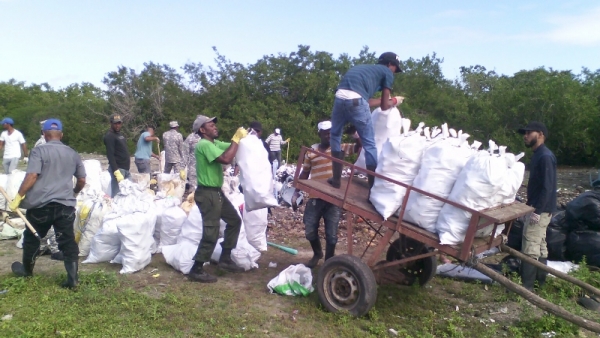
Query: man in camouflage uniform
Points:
[174, 150]
[190, 160]
[48, 243]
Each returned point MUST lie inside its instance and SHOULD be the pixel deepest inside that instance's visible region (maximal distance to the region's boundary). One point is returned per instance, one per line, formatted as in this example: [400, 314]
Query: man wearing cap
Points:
[190, 159]
[48, 195]
[12, 141]
[541, 194]
[275, 141]
[41, 140]
[319, 167]
[174, 150]
[143, 151]
[353, 102]
[116, 152]
[258, 129]
[211, 154]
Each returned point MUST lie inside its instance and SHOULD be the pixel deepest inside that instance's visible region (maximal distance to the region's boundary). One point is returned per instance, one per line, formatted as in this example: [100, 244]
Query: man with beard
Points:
[319, 167]
[541, 194]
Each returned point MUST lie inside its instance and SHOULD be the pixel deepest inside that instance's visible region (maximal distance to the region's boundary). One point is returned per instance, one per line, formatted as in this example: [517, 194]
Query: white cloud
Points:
[581, 29]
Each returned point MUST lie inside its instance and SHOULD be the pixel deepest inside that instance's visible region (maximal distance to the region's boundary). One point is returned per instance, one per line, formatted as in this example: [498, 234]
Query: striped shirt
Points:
[275, 142]
[319, 166]
[366, 80]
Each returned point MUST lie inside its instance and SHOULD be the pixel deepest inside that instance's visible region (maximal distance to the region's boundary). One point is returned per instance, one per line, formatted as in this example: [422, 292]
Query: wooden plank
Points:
[507, 212]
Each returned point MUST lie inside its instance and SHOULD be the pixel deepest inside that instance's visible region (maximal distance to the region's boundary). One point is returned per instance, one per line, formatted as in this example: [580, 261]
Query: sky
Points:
[62, 42]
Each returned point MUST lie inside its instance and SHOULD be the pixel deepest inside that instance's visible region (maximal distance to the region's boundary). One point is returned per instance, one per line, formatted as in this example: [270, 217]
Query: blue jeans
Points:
[357, 112]
[315, 210]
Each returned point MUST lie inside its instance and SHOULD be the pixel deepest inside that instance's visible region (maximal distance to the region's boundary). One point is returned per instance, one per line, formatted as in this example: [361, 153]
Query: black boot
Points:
[317, 253]
[329, 250]
[227, 264]
[336, 169]
[528, 275]
[197, 274]
[371, 178]
[57, 256]
[72, 278]
[22, 269]
[541, 274]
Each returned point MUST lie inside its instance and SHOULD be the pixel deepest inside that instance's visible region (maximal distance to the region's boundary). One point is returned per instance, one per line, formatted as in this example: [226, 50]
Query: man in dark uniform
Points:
[48, 195]
[116, 152]
[211, 154]
[541, 194]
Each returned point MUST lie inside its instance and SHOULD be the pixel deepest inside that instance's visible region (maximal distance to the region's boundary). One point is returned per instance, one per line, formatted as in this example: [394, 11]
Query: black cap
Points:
[534, 126]
[256, 126]
[389, 57]
[116, 118]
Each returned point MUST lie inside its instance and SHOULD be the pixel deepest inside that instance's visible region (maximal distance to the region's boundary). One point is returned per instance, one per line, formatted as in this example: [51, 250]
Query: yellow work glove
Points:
[182, 175]
[288, 140]
[118, 176]
[14, 205]
[153, 181]
[239, 134]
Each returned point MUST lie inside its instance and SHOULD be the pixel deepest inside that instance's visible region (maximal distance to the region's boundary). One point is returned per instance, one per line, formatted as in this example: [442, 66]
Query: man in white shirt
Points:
[275, 141]
[12, 141]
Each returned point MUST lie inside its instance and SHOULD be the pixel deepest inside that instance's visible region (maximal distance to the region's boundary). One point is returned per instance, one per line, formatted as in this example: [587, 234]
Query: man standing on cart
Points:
[319, 167]
[541, 195]
[353, 104]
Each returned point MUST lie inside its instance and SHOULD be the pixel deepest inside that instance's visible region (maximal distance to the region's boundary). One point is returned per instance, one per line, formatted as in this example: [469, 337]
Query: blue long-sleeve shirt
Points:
[541, 189]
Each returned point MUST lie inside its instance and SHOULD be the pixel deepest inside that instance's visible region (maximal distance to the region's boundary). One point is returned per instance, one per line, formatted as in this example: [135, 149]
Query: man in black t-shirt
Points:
[116, 151]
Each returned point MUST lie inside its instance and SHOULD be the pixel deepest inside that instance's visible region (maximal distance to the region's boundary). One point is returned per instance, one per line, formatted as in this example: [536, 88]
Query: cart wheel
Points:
[422, 269]
[345, 283]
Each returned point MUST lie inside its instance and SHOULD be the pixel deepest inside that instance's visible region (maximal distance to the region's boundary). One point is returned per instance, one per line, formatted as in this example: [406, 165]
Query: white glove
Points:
[398, 100]
[534, 218]
[26, 159]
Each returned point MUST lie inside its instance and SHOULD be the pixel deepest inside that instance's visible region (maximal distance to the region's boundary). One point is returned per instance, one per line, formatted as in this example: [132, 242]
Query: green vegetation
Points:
[295, 91]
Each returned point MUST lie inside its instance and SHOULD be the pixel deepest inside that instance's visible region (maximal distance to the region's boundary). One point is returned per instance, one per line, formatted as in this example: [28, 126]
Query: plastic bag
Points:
[387, 123]
[135, 233]
[181, 255]
[106, 243]
[256, 176]
[172, 220]
[296, 280]
[584, 243]
[255, 224]
[583, 213]
[88, 221]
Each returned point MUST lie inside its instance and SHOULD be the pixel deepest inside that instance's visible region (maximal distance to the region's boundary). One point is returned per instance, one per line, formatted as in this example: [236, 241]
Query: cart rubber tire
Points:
[424, 269]
[345, 283]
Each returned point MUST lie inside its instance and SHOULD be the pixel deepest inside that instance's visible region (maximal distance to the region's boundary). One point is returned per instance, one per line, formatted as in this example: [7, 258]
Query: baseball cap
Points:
[278, 131]
[534, 126]
[116, 118]
[173, 124]
[325, 125]
[389, 57]
[8, 120]
[256, 126]
[52, 124]
[201, 119]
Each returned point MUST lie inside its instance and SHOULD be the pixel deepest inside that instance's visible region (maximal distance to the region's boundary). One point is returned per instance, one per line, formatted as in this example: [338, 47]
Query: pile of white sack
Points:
[440, 161]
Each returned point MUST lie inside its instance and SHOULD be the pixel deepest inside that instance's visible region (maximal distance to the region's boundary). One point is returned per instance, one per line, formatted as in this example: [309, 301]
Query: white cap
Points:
[277, 130]
[325, 125]
[173, 124]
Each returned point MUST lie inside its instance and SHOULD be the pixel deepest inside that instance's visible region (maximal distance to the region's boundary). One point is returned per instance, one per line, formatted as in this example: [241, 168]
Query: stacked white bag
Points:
[256, 175]
[11, 184]
[172, 219]
[255, 224]
[387, 123]
[89, 217]
[479, 186]
[441, 164]
[400, 160]
[133, 217]
[93, 174]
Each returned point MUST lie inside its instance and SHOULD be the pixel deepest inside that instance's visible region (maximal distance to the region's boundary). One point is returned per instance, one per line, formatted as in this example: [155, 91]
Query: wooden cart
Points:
[348, 282]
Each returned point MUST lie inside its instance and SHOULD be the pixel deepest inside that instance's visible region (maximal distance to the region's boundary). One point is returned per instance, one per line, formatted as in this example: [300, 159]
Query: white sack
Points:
[476, 187]
[105, 183]
[295, 280]
[93, 172]
[159, 207]
[11, 184]
[255, 224]
[135, 232]
[170, 185]
[172, 220]
[400, 160]
[88, 221]
[256, 176]
[386, 123]
[181, 255]
[191, 229]
[440, 167]
[105, 243]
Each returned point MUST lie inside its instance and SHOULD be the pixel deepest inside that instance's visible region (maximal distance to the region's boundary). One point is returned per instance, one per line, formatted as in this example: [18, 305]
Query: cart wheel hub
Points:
[344, 287]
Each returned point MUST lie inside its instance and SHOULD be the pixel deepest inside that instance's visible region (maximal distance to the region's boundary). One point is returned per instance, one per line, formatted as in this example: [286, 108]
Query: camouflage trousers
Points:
[49, 242]
[534, 237]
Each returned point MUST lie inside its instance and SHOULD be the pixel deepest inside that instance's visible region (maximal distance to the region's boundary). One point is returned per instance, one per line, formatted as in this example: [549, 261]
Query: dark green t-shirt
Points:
[208, 170]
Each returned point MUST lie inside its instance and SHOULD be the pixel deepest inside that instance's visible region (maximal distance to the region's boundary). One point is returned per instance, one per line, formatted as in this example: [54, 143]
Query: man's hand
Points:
[14, 205]
[534, 218]
[294, 200]
[239, 134]
[396, 100]
[288, 140]
[26, 159]
[118, 176]
[157, 139]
